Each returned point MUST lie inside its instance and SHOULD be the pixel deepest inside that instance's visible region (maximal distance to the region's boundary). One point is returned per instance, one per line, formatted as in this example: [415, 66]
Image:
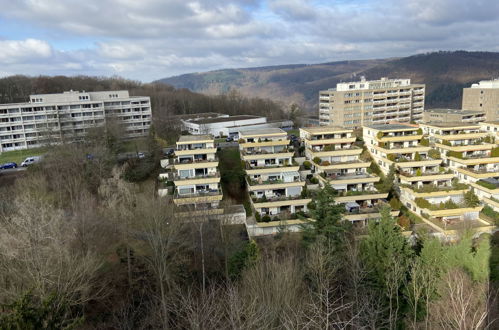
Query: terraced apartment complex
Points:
[195, 173]
[273, 180]
[426, 158]
[335, 158]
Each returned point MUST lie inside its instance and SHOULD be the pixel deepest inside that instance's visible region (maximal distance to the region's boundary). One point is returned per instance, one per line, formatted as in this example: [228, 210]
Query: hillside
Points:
[444, 73]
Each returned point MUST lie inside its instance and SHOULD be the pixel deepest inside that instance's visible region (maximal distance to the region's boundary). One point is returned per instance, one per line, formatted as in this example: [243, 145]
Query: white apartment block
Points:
[49, 118]
[373, 102]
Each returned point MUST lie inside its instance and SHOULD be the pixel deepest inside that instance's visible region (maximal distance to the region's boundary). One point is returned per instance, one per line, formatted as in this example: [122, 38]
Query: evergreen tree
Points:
[387, 255]
[328, 218]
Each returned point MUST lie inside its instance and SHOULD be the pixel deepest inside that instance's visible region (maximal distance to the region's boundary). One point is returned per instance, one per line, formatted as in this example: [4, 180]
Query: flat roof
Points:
[224, 119]
[493, 122]
[201, 115]
[194, 138]
[455, 124]
[386, 127]
[262, 131]
[321, 129]
[454, 111]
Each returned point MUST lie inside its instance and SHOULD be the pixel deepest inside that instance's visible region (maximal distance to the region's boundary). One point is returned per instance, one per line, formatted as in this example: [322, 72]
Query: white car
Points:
[30, 161]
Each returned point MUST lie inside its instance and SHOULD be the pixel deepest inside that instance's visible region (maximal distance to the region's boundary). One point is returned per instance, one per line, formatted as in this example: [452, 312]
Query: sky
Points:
[152, 39]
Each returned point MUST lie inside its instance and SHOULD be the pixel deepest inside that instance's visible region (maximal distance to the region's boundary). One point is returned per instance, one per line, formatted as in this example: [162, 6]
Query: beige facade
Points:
[274, 183]
[195, 175]
[452, 116]
[50, 118]
[336, 161]
[355, 104]
[483, 96]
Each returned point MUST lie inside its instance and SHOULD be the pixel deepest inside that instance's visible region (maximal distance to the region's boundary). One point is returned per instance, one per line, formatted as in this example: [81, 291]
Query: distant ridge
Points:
[444, 73]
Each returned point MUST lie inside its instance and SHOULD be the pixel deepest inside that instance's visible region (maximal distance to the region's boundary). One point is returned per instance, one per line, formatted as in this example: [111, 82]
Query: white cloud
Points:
[151, 39]
[14, 51]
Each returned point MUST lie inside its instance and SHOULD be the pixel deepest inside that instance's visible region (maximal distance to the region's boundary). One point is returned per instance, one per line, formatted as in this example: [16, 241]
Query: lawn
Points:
[17, 156]
[295, 132]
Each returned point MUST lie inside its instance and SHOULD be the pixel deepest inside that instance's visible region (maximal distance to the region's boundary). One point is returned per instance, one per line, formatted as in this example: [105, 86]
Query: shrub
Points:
[395, 203]
[311, 205]
[488, 211]
[317, 160]
[433, 153]
[455, 154]
[404, 222]
[486, 184]
[446, 143]
[422, 203]
[258, 217]
[391, 157]
[471, 199]
[419, 131]
[424, 142]
[325, 163]
[314, 180]
[241, 141]
[418, 172]
[329, 147]
[382, 145]
[494, 152]
[379, 135]
[266, 218]
[276, 218]
[307, 165]
[417, 156]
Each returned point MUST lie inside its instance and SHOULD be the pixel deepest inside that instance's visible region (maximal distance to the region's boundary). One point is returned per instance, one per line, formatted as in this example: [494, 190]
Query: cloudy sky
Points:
[152, 39]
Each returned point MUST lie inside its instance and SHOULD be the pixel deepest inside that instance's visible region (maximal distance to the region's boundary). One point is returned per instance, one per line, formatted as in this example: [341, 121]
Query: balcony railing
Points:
[197, 176]
[211, 192]
[276, 198]
[193, 161]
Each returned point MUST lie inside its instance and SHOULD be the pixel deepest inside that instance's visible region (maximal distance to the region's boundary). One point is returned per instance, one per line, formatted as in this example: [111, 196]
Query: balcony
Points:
[200, 193]
[197, 176]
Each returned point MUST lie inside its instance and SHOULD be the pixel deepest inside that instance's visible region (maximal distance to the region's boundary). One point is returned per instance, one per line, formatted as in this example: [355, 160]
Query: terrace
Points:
[196, 176]
[346, 176]
[264, 152]
[276, 198]
[199, 193]
[429, 188]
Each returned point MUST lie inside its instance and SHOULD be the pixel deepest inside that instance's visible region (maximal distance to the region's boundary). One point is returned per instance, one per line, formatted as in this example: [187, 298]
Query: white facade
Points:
[50, 118]
[225, 125]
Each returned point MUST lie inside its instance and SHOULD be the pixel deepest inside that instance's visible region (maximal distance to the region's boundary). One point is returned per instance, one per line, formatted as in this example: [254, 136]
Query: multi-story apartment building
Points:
[355, 104]
[195, 173]
[336, 161]
[427, 188]
[50, 118]
[452, 116]
[483, 96]
[273, 180]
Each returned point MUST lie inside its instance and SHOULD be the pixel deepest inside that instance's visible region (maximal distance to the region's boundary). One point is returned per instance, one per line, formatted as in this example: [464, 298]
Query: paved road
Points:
[12, 170]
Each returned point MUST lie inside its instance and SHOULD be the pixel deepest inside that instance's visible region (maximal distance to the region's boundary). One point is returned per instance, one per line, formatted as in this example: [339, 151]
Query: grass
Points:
[18, 156]
[295, 132]
[134, 145]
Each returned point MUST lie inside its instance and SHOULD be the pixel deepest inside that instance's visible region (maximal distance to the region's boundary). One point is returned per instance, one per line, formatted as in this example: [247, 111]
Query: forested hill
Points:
[444, 73]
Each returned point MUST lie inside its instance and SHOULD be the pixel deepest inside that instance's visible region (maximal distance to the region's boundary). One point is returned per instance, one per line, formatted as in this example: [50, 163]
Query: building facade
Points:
[273, 180]
[225, 125]
[483, 96]
[364, 102]
[452, 116]
[195, 173]
[336, 160]
[51, 118]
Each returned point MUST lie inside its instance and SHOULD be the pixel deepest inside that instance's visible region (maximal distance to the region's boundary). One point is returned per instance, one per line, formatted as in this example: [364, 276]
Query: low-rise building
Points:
[336, 161]
[195, 173]
[273, 180]
[224, 125]
[452, 116]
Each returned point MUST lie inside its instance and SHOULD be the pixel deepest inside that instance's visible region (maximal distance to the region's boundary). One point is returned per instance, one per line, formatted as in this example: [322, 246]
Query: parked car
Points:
[8, 165]
[141, 155]
[30, 161]
[229, 139]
